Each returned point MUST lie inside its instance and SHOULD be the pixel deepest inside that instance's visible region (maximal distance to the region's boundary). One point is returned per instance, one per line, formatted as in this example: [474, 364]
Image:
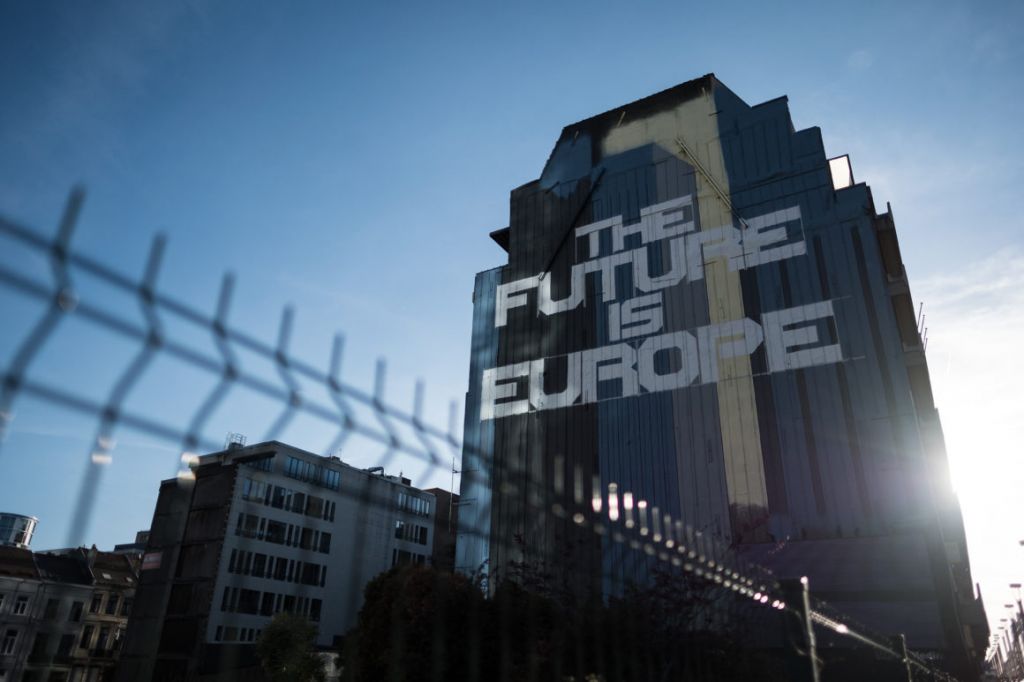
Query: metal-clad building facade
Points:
[693, 312]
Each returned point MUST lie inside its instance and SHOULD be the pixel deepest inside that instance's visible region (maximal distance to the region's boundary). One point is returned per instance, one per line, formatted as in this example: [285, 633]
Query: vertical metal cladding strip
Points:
[696, 120]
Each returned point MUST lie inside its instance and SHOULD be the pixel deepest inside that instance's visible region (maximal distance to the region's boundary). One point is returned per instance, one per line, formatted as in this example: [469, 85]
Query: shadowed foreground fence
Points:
[700, 613]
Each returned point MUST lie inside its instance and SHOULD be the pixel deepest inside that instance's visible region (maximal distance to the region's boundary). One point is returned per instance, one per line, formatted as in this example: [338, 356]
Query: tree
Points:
[287, 650]
[417, 623]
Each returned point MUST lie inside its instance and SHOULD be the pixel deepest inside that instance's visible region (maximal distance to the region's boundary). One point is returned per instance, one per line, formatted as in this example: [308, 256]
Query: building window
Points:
[400, 557]
[315, 507]
[67, 643]
[325, 543]
[75, 615]
[306, 539]
[52, 606]
[332, 479]
[275, 532]
[39, 644]
[413, 504]
[314, 610]
[112, 604]
[310, 574]
[259, 565]
[253, 490]
[126, 606]
[97, 601]
[7, 645]
[267, 604]
[247, 526]
[248, 601]
[265, 464]
[86, 637]
[101, 639]
[20, 606]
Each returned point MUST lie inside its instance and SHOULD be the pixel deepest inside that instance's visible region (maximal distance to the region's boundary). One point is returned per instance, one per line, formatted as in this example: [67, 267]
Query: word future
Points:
[790, 336]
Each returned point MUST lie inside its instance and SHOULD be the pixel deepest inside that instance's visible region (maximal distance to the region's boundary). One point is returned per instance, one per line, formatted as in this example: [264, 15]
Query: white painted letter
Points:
[510, 296]
[684, 376]
[802, 333]
[491, 391]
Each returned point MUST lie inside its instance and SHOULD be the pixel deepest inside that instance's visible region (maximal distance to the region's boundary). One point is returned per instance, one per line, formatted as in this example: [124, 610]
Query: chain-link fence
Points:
[636, 595]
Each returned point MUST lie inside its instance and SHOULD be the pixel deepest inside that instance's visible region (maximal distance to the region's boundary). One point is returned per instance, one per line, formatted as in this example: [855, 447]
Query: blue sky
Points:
[351, 160]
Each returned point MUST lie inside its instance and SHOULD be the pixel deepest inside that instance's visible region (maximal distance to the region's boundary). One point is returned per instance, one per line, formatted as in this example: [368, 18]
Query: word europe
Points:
[790, 336]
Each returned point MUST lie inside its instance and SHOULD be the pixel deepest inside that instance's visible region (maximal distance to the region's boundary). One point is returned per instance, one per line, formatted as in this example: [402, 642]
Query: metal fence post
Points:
[900, 645]
[803, 658]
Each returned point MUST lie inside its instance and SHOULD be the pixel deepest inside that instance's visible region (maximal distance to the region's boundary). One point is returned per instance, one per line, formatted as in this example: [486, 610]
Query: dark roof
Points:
[113, 569]
[17, 563]
[64, 568]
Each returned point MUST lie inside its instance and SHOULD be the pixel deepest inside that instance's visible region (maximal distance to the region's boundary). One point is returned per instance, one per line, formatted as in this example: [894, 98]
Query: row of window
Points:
[289, 500]
[264, 464]
[279, 533]
[112, 602]
[410, 532]
[256, 603]
[107, 639]
[20, 606]
[400, 557]
[413, 504]
[314, 473]
[231, 633]
[259, 565]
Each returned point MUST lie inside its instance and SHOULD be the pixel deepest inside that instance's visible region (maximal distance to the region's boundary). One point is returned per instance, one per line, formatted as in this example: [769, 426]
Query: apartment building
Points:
[62, 614]
[260, 530]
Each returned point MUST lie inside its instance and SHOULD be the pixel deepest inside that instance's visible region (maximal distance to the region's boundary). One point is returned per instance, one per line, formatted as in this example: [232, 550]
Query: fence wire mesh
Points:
[670, 603]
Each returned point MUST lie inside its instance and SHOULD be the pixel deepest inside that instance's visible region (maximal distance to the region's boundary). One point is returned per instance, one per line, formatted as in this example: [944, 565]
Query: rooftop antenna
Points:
[234, 440]
[451, 495]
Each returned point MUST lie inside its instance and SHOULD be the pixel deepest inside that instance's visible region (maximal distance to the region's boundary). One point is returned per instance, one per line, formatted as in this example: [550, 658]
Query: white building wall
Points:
[362, 544]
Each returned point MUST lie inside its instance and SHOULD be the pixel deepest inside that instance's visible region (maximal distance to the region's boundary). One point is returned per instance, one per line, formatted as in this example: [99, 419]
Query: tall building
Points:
[706, 318]
[264, 529]
[63, 614]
